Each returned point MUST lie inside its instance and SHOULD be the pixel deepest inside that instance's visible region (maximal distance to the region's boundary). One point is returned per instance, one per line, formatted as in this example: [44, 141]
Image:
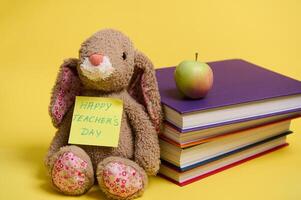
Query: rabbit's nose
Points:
[96, 59]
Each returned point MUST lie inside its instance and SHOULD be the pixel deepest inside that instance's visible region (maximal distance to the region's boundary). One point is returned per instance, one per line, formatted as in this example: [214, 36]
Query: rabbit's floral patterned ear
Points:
[144, 88]
[67, 86]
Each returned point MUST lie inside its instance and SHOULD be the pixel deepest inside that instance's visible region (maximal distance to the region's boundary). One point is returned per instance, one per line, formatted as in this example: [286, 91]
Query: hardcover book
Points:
[192, 138]
[223, 162]
[196, 155]
[241, 92]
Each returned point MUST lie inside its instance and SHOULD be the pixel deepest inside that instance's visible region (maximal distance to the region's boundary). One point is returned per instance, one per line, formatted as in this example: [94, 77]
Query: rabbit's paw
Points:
[121, 178]
[71, 173]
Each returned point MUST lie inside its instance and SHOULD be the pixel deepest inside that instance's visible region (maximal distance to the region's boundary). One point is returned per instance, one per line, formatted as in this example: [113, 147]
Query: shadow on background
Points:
[33, 155]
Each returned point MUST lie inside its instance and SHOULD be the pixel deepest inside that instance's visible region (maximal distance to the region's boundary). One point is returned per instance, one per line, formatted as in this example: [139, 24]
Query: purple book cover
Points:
[235, 81]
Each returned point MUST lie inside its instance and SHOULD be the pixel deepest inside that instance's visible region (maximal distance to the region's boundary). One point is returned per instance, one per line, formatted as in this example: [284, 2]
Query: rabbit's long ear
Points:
[144, 88]
[66, 87]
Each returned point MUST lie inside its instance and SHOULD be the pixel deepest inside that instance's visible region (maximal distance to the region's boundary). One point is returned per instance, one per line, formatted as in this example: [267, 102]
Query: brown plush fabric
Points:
[112, 43]
[142, 83]
[141, 116]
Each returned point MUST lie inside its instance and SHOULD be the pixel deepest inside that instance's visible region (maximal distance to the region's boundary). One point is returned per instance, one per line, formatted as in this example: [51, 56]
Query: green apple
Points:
[193, 78]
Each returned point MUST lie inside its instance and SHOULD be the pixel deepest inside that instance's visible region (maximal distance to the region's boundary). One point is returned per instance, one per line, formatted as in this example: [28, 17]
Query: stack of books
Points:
[246, 114]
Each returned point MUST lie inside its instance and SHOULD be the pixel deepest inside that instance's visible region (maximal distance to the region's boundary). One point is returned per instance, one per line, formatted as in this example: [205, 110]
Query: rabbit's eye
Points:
[123, 55]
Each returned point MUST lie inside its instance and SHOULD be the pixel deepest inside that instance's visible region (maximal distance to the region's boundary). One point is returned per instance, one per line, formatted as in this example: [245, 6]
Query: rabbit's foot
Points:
[72, 171]
[120, 178]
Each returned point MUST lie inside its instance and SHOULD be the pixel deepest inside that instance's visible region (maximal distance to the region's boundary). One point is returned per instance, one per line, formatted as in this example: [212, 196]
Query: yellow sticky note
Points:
[96, 121]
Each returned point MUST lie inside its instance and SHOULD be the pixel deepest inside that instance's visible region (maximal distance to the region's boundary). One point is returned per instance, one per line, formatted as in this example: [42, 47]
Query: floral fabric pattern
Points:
[69, 173]
[121, 179]
[67, 88]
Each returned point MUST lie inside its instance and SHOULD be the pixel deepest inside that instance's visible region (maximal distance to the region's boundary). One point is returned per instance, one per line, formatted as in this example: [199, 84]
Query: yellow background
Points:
[35, 36]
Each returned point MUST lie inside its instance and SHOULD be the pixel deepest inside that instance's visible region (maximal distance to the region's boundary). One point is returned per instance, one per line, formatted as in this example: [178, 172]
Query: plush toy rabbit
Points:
[108, 66]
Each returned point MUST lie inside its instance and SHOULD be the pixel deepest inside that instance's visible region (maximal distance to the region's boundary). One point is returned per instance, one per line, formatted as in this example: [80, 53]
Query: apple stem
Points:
[196, 56]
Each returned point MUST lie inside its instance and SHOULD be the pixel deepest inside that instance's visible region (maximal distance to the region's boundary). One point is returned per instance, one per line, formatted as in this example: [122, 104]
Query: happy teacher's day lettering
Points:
[94, 116]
